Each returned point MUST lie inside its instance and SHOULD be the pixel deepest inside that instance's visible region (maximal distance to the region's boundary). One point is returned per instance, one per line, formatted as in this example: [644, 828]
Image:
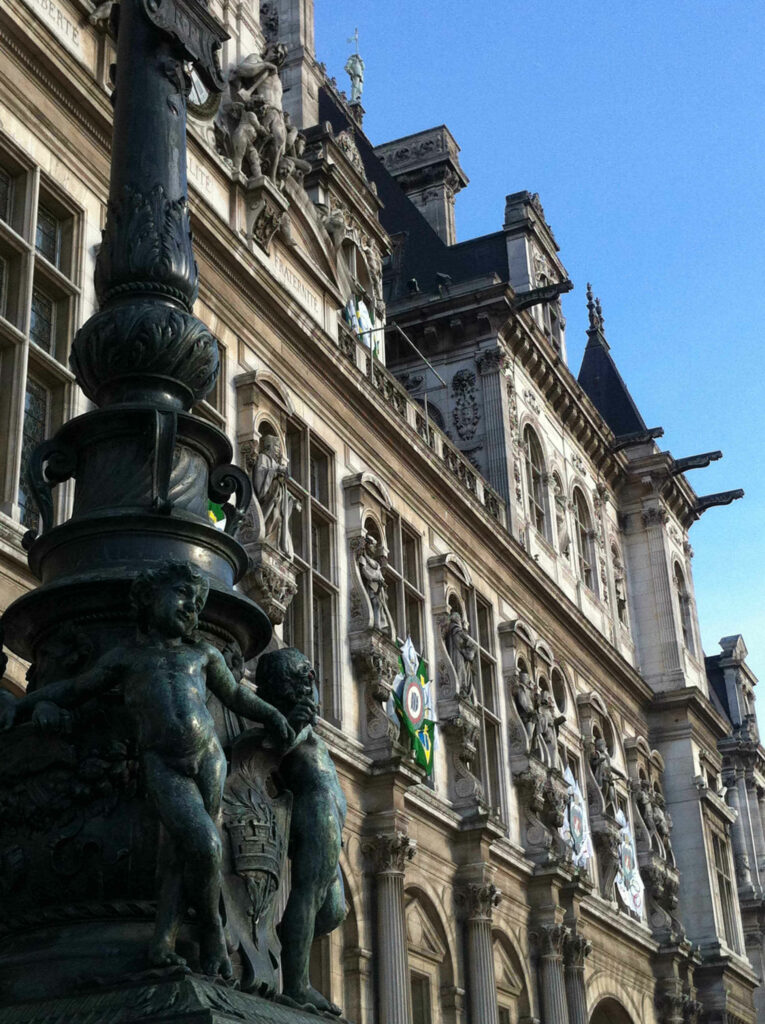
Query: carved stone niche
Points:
[263, 407]
[458, 715]
[532, 734]
[371, 630]
[645, 768]
[603, 785]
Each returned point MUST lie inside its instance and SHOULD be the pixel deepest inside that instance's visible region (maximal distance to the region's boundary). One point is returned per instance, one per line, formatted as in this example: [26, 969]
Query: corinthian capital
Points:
[575, 949]
[479, 900]
[391, 851]
[550, 939]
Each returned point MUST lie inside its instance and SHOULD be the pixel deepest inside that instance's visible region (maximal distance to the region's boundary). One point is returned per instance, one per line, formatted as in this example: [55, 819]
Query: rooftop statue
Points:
[354, 68]
[165, 675]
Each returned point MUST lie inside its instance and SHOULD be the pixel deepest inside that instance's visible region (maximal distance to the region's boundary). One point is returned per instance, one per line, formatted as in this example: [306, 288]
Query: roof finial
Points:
[599, 313]
[591, 308]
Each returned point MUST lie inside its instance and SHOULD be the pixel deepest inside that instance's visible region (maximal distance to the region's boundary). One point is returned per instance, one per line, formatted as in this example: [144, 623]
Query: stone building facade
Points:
[447, 479]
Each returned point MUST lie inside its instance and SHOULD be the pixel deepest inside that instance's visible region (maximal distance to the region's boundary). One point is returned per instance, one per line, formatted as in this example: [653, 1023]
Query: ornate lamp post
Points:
[79, 837]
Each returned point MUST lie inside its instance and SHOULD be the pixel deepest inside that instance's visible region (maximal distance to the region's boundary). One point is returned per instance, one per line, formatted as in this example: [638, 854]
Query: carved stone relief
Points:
[466, 413]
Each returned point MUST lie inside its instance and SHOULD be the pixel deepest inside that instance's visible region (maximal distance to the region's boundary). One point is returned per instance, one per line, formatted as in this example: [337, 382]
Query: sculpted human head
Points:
[286, 679]
[169, 598]
[271, 445]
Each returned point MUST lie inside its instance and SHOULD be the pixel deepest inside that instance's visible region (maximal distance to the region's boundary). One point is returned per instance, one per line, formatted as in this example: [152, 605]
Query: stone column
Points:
[740, 855]
[479, 901]
[391, 851]
[496, 443]
[550, 940]
[575, 949]
[747, 790]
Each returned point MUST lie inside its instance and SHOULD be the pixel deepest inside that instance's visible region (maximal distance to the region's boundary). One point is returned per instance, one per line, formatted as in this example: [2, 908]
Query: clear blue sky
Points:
[641, 127]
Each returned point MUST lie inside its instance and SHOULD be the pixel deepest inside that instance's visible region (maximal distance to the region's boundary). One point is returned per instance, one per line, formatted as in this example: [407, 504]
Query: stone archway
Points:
[609, 1011]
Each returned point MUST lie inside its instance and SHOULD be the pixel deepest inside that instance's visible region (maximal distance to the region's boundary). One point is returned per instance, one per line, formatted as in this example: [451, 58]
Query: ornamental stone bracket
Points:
[265, 211]
[376, 662]
[662, 884]
[271, 579]
[543, 797]
[461, 726]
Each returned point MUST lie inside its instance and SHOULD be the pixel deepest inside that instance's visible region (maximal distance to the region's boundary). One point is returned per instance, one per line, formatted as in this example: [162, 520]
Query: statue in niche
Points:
[316, 904]
[269, 481]
[561, 524]
[370, 570]
[644, 802]
[525, 700]
[600, 763]
[548, 725]
[662, 823]
[165, 674]
[462, 649]
[354, 68]
[620, 588]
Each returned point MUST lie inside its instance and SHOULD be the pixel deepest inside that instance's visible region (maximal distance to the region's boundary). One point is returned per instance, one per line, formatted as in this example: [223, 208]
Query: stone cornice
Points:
[701, 714]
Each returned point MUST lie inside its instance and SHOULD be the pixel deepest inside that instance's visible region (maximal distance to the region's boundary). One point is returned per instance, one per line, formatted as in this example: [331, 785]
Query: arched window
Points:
[684, 599]
[535, 481]
[584, 552]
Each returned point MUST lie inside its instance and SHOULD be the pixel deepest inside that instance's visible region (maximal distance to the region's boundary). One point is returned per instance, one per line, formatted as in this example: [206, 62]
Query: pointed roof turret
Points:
[602, 382]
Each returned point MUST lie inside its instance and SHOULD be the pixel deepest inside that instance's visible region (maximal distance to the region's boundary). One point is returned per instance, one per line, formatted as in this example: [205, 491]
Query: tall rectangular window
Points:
[311, 620]
[486, 685]
[6, 194]
[726, 890]
[48, 235]
[4, 274]
[41, 320]
[36, 410]
[402, 575]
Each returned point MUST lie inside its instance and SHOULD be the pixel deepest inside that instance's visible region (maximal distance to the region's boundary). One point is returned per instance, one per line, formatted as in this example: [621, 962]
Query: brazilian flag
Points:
[411, 698]
[216, 515]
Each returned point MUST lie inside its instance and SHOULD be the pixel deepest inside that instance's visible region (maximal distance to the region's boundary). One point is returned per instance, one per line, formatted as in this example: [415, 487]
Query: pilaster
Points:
[490, 365]
[575, 951]
[479, 900]
[390, 853]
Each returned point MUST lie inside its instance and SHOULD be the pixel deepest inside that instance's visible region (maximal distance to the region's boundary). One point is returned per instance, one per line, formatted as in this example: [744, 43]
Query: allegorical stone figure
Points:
[269, 481]
[549, 724]
[600, 762]
[316, 904]
[523, 692]
[370, 570]
[662, 823]
[165, 674]
[462, 649]
[354, 68]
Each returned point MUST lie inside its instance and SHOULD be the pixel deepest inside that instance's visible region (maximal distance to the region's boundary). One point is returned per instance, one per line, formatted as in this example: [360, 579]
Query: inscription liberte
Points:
[63, 26]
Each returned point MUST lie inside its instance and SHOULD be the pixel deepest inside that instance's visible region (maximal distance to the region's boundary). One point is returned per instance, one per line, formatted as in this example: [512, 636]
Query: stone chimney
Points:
[427, 167]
